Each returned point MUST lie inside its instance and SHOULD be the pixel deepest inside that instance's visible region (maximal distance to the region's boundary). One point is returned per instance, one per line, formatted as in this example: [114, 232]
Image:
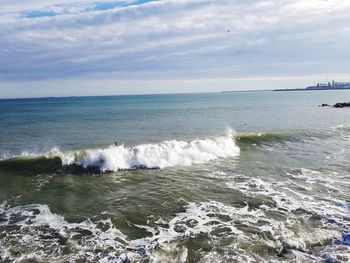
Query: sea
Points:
[215, 177]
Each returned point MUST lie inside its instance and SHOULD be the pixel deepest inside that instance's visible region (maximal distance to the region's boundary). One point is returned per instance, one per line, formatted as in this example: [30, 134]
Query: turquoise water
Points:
[222, 177]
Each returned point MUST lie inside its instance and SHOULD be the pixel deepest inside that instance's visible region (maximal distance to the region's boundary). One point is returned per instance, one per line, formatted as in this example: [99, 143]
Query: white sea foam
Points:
[219, 221]
[101, 241]
[292, 200]
[341, 127]
[36, 222]
[164, 154]
[149, 156]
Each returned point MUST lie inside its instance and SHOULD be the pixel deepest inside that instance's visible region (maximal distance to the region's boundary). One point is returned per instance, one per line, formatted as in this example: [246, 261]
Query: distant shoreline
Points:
[126, 95]
[334, 85]
[160, 94]
[108, 95]
[309, 89]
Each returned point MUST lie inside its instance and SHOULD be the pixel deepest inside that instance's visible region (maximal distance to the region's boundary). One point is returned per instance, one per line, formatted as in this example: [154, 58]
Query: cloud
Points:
[167, 39]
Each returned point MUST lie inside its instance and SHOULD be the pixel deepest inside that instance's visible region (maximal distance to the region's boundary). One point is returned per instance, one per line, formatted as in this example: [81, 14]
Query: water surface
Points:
[222, 177]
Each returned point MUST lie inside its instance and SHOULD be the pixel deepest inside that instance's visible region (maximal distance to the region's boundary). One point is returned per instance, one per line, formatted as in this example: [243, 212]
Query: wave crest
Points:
[151, 156]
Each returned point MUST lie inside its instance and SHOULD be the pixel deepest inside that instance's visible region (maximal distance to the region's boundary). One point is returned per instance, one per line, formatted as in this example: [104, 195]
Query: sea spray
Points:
[161, 155]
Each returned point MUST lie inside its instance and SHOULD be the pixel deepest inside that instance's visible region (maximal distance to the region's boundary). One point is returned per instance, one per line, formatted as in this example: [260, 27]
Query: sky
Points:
[84, 47]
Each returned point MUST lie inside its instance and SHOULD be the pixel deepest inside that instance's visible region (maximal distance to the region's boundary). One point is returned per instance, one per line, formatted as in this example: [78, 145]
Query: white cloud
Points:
[173, 38]
[12, 6]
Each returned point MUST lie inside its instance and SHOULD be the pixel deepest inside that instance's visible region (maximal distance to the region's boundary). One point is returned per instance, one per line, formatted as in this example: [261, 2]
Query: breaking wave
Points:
[165, 154]
[264, 138]
[145, 156]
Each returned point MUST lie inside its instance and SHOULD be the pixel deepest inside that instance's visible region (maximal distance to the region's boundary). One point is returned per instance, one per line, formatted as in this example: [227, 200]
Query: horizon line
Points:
[136, 94]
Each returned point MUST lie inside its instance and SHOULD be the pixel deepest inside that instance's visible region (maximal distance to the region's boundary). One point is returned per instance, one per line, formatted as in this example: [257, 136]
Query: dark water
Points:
[227, 177]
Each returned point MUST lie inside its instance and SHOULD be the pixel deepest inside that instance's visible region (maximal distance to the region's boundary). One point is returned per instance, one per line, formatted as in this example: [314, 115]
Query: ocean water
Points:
[222, 177]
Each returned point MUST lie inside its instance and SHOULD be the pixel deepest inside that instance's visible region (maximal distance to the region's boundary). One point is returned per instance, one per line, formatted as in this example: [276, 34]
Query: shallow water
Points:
[180, 186]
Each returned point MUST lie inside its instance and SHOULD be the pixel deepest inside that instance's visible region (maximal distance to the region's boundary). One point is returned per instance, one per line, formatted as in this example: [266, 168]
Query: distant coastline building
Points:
[334, 85]
[330, 86]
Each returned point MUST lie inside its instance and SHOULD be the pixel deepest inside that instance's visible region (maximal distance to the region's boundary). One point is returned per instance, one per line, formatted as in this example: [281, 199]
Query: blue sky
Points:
[83, 47]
